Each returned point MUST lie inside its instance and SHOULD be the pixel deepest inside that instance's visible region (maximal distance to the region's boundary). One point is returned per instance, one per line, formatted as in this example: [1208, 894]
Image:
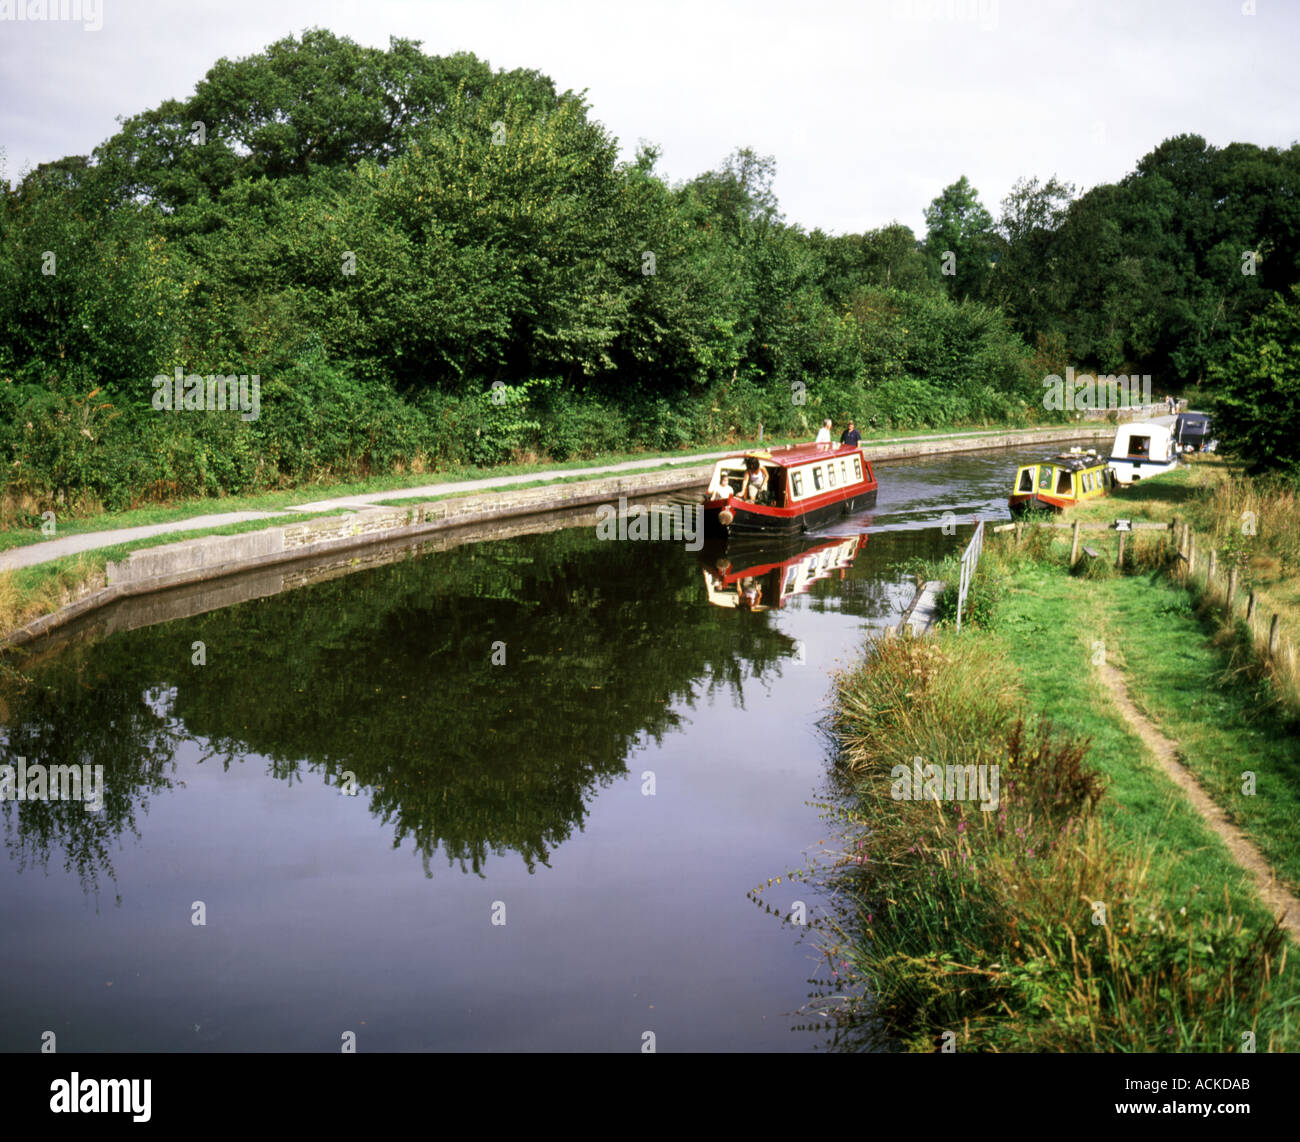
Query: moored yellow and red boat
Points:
[1053, 485]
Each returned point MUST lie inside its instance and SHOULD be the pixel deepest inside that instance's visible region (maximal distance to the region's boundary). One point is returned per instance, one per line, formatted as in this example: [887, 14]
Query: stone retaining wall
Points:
[214, 557]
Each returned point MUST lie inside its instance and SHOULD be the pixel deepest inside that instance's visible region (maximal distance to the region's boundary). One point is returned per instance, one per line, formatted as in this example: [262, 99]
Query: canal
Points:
[505, 796]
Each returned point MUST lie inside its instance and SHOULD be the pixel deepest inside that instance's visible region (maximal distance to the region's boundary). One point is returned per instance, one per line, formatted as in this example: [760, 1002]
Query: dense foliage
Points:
[1258, 395]
[427, 263]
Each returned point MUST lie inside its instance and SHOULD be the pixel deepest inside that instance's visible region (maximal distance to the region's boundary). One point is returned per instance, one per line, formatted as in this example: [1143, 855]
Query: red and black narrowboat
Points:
[799, 488]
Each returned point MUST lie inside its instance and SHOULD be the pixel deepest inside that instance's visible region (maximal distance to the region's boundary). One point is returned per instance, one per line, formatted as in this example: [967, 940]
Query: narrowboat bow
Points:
[800, 487]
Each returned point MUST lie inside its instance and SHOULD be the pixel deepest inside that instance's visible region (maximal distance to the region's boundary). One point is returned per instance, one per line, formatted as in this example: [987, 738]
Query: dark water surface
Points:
[518, 791]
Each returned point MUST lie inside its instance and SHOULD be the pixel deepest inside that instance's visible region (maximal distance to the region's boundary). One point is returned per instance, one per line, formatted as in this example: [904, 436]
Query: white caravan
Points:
[1141, 450]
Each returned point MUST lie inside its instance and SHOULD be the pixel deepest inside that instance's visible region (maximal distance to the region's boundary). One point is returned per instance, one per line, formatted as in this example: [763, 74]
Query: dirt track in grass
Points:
[1276, 898]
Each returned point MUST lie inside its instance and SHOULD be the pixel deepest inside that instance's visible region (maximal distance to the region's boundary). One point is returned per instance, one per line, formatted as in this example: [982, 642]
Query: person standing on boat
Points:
[823, 440]
[755, 479]
[851, 436]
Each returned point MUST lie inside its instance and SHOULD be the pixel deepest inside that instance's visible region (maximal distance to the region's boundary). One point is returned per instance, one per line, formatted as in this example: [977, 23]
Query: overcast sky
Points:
[870, 107]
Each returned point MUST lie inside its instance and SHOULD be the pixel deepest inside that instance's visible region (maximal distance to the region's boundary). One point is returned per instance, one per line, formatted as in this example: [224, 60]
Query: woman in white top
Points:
[824, 436]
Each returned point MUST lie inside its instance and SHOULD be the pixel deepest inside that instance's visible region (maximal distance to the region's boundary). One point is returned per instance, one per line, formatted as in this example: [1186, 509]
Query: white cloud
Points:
[870, 109]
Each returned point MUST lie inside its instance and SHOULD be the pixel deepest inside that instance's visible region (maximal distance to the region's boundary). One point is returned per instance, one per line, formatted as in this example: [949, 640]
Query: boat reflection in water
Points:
[760, 576]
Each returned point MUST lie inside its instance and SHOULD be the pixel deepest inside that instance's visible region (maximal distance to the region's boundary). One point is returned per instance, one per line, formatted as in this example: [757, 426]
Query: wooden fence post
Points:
[1232, 592]
[1209, 570]
[1074, 546]
[1250, 608]
[1119, 559]
[1272, 637]
[1191, 552]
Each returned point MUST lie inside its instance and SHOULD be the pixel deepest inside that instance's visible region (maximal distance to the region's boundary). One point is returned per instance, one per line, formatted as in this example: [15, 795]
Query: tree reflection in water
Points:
[388, 674]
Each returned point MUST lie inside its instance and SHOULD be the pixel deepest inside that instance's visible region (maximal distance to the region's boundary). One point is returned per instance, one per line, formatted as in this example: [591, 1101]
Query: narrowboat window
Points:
[1087, 482]
[817, 477]
[844, 473]
[830, 473]
[857, 467]
[1063, 484]
[1045, 477]
[1026, 480]
[796, 483]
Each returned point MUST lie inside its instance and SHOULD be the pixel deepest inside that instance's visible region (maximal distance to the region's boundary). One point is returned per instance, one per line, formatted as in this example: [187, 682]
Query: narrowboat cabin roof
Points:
[791, 455]
[1071, 461]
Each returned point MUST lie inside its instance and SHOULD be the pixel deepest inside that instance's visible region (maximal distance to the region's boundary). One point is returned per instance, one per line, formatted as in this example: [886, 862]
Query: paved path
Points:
[88, 541]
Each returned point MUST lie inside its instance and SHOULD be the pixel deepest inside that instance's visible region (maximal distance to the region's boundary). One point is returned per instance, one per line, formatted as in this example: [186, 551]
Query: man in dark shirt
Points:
[851, 436]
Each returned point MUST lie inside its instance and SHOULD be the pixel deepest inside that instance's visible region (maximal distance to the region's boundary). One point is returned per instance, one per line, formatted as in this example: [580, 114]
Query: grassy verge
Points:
[280, 501]
[1094, 909]
[30, 592]
[1252, 525]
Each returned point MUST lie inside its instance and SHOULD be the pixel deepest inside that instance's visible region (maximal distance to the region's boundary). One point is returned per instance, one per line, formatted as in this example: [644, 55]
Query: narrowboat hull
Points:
[758, 519]
[1038, 503]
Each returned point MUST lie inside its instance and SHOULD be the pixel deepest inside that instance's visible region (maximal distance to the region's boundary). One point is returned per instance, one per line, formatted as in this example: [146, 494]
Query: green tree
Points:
[1258, 394]
[1026, 281]
[301, 106]
[886, 258]
[959, 240]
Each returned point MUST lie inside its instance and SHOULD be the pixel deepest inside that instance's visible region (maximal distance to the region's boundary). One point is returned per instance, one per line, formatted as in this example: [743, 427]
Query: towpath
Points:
[46, 550]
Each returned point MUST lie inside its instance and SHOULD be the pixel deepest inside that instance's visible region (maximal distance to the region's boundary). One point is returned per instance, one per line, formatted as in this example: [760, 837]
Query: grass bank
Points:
[1094, 908]
[1253, 526]
[30, 592]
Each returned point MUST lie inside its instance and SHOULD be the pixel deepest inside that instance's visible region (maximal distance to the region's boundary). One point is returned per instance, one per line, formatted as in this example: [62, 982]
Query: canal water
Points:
[506, 796]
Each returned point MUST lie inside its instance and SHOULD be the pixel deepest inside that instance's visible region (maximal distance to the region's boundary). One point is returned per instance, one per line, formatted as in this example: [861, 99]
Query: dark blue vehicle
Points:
[1192, 429]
